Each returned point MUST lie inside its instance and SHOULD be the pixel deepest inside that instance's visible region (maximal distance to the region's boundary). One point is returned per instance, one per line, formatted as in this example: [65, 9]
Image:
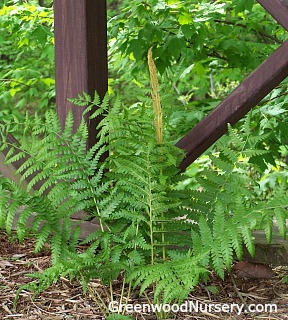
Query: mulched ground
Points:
[66, 300]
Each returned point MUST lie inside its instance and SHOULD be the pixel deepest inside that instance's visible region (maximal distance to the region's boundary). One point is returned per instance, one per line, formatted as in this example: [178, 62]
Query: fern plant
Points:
[129, 201]
[150, 232]
[131, 193]
[69, 177]
[229, 206]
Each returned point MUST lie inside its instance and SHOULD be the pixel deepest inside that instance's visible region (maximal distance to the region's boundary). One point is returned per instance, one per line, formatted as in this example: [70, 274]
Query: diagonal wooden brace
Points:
[278, 10]
[247, 95]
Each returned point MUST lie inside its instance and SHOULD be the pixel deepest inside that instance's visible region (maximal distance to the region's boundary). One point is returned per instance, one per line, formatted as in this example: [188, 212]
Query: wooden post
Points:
[80, 55]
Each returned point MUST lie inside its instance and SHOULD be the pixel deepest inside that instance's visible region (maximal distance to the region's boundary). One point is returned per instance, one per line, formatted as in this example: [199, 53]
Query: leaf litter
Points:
[66, 300]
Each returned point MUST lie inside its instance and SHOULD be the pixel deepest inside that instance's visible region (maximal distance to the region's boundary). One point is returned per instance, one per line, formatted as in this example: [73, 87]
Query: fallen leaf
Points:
[5, 263]
[245, 269]
[19, 255]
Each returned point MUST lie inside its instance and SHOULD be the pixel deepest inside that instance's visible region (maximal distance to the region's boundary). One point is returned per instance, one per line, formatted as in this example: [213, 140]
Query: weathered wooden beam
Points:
[80, 55]
[278, 10]
[247, 95]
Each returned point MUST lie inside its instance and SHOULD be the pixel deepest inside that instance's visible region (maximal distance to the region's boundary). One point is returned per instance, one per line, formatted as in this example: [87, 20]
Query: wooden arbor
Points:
[81, 65]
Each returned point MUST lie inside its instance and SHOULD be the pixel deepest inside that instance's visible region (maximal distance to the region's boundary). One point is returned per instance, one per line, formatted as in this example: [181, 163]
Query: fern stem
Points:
[151, 231]
[111, 291]
[156, 98]
[98, 214]
[159, 315]
[129, 291]
[97, 299]
[146, 296]
[158, 123]
[97, 208]
[163, 237]
[122, 293]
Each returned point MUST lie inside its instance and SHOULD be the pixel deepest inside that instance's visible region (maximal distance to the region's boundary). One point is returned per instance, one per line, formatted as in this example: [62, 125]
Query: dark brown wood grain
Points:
[80, 55]
[246, 96]
[278, 10]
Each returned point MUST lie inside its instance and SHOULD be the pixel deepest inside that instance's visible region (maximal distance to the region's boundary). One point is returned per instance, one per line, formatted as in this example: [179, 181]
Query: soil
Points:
[66, 300]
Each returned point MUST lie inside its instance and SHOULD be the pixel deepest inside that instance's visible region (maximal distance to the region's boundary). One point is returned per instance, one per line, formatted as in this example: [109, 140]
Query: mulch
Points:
[66, 300]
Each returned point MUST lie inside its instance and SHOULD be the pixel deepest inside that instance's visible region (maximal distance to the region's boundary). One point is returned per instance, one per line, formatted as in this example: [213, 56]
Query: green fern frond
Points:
[256, 152]
[236, 240]
[224, 166]
[281, 218]
[174, 279]
[228, 208]
[256, 139]
[10, 216]
[237, 140]
[56, 245]
[44, 233]
[225, 150]
[133, 195]
[248, 239]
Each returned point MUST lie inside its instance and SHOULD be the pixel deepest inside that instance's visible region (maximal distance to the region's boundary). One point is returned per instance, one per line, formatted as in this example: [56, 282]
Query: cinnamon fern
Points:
[149, 230]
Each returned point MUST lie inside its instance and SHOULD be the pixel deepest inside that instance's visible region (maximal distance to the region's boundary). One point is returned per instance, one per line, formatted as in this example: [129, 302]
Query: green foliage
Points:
[230, 204]
[26, 58]
[131, 193]
[199, 46]
[134, 194]
[147, 212]
[203, 49]
[66, 178]
[175, 279]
